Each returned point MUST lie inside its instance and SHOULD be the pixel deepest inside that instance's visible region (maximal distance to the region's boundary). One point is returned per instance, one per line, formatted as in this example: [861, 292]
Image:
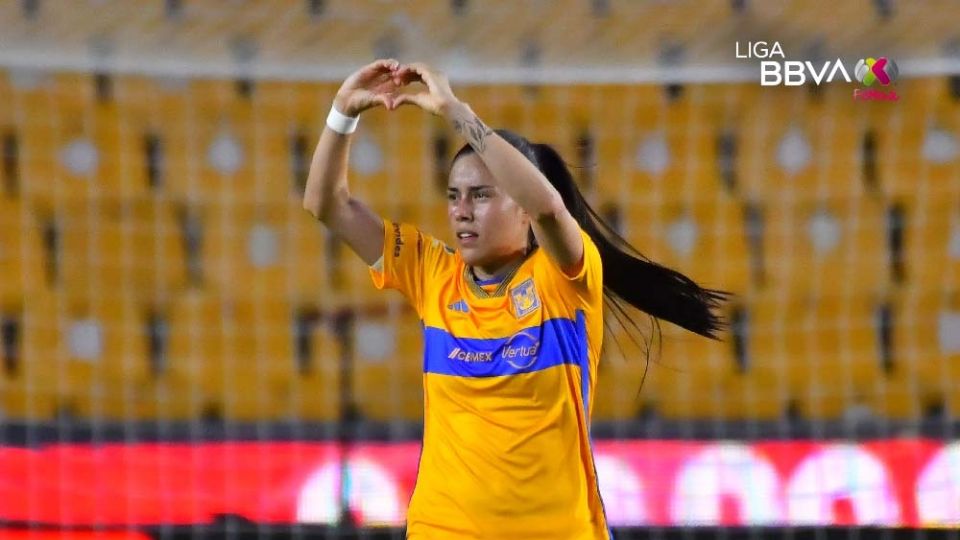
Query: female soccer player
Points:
[512, 316]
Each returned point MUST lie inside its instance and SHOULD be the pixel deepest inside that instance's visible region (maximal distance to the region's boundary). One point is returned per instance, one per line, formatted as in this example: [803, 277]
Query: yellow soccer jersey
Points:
[508, 381]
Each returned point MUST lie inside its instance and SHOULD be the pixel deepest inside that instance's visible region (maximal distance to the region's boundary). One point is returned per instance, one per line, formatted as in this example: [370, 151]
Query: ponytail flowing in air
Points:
[629, 277]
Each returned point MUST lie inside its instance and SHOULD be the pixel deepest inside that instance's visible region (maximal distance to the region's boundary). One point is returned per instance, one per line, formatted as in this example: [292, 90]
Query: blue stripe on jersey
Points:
[584, 363]
[555, 342]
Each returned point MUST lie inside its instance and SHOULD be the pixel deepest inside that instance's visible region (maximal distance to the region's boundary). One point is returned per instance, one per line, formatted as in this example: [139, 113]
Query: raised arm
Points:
[555, 228]
[327, 196]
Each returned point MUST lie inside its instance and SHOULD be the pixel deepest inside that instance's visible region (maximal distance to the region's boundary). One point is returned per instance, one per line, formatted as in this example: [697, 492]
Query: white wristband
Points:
[341, 123]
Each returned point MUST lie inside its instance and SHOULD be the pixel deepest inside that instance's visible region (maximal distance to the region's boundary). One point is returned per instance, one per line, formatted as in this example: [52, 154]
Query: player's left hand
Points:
[436, 98]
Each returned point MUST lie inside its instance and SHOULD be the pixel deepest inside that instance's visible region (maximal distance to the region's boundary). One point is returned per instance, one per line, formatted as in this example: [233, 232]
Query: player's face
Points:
[490, 228]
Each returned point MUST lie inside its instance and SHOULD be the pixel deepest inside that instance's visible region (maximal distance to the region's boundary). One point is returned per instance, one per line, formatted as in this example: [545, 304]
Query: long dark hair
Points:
[629, 278]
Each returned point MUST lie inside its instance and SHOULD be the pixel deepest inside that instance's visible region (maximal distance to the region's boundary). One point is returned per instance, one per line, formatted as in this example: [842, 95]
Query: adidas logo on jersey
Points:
[460, 306]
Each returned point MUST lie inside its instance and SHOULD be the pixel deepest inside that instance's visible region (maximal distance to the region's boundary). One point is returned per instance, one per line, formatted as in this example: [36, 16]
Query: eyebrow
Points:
[471, 188]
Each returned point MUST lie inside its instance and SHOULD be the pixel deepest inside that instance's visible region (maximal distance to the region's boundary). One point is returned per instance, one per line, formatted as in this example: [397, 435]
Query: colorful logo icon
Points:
[871, 70]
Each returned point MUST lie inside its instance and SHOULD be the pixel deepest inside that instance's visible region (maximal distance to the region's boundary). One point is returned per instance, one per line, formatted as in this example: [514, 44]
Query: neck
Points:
[498, 268]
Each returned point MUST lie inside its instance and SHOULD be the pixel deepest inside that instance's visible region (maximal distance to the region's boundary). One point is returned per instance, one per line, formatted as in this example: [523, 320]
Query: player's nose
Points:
[463, 210]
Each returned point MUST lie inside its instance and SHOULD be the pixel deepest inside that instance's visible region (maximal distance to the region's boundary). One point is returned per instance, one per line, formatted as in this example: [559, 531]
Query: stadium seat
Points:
[208, 141]
[371, 163]
[36, 128]
[689, 365]
[621, 391]
[277, 122]
[926, 358]
[932, 243]
[350, 281]
[430, 216]
[926, 114]
[851, 257]
[836, 363]
[197, 348]
[132, 248]
[264, 250]
[170, 117]
[74, 147]
[544, 117]
[7, 94]
[281, 112]
[34, 391]
[388, 365]
[22, 254]
[668, 153]
[792, 149]
[704, 238]
[412, 176]
[259, 365]
[236, 356]
[315, 394]
[106, 358]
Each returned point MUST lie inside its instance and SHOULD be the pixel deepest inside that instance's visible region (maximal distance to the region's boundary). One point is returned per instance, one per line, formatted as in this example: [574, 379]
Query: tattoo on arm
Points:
[474, 131]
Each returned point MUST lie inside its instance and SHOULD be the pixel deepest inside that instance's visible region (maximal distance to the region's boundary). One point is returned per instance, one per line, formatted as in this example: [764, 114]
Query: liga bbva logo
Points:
[872, 73]
[882, 70]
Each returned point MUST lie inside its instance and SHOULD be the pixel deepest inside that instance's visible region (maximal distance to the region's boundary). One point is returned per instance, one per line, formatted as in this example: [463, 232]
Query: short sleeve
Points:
[408, 255]
[587, 284]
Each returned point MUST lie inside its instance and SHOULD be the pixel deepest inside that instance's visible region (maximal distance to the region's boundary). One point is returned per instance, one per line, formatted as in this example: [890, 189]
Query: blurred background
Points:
[185, 351]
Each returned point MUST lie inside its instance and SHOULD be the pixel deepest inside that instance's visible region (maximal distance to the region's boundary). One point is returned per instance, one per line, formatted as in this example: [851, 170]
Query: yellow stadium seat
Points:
[430, 217]
[58, 127]
[306, 257]
[22, 253]
[350, 281]
[260, 362]
[618, 393]
[544, 117]
[689, 365]
[926, 364]
[34, 391]
[197, 348]
[37, 132]
[237, 354]
[75, 147]
[208, 142]
[790, 148]
[106, 354]
[388, 366]
[315, 394]
[133, 248]
[902, 132]
[173, 393]
[283, 111]
[838, 361]
[668, 153]
[170, 117]
[372, 164]
[823, 353]
[931, 254]
[264, 250]
[704, 238]
[851, 259]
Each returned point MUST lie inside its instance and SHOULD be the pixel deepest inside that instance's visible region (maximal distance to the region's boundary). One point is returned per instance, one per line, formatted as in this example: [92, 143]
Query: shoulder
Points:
[408, 239]
[589, 272]
[585, 288]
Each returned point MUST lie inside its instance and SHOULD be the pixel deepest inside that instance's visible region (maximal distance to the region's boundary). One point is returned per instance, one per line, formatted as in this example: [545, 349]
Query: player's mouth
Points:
[467, 238]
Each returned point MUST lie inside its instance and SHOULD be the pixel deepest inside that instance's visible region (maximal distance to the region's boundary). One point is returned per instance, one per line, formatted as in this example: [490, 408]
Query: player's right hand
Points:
[371, 86]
